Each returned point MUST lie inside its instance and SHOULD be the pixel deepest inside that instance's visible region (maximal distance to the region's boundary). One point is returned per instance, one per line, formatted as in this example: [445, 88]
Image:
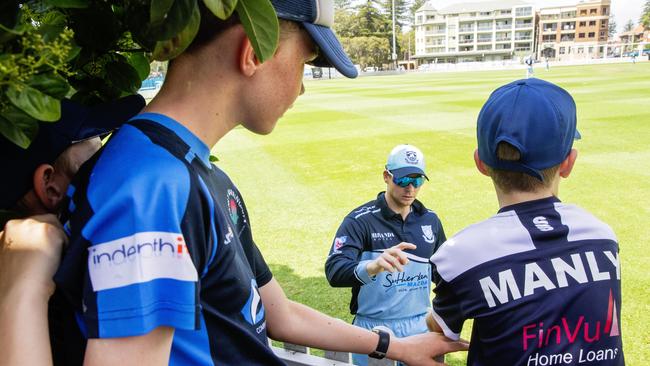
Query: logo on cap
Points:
[411, 157]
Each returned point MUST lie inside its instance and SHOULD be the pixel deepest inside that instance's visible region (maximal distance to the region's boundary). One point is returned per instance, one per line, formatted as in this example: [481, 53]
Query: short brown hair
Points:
[509, 181]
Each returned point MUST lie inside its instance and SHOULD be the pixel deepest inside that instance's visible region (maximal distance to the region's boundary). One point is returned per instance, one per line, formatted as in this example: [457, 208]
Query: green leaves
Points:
[221, 8]
[168, 18]
[140, 63]
[261, 25]
[76, 4]
[34, 102]
[170, 48]
[123, 76]
[18, 127]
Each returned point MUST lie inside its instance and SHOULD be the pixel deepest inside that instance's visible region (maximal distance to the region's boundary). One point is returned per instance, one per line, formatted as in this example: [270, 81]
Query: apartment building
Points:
[576, 31]
[480, 31]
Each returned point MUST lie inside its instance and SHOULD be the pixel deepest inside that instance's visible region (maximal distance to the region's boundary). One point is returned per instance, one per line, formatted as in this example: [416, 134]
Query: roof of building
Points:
[427, 6]
[636, 30]
[483, 6]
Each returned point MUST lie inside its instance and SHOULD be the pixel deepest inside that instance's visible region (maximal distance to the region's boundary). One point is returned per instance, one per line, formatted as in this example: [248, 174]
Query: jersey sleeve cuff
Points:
[445, 328]
[362, 273]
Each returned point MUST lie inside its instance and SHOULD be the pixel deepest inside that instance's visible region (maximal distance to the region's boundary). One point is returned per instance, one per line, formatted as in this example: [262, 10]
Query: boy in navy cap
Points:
[162, 267]
[541, 278]
[382, 250]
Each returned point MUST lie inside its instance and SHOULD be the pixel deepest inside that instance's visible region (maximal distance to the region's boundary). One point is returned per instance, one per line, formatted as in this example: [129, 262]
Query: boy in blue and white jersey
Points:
[162, 267]
[382, 250]
[541, 278]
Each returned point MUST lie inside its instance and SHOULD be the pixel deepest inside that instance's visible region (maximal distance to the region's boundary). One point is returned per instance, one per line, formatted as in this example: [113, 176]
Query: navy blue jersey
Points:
[161, 237]
[541, 279]
[364, 234]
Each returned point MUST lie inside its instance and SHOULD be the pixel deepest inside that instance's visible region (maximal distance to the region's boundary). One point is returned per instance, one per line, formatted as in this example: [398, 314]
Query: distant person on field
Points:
[548, 67]
[381, 251]
[529, 63]
[541, 278]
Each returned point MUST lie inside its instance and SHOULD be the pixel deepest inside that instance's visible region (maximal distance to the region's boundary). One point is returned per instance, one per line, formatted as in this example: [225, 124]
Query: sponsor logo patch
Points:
[140, 258]
[411, 157]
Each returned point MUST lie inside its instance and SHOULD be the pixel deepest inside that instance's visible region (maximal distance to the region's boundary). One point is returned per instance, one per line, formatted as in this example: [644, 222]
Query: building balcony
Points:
[523, 25]
[504, 26]
[485, 29]
[504, 39]
[465, 41]
[523, 38]
[465, 30]
[549, 30]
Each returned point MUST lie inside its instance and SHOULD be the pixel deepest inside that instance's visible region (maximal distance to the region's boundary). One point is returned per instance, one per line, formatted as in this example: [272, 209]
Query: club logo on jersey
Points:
[427, 234]
[253, 310]
[140, 258]
[411, 157]
[235, 207]
[574, 333]
[339, 242]
[542, 224]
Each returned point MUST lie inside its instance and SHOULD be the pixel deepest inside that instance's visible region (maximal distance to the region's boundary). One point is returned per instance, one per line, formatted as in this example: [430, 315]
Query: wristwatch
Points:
[382, 345]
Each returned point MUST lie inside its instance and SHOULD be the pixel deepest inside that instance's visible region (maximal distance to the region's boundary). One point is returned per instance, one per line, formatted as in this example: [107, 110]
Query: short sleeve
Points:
[447, 310]
[127, 245]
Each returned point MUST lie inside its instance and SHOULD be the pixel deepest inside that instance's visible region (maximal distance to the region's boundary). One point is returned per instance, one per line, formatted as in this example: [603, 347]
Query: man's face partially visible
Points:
[280, 83]
[69, 162]
[402, 196]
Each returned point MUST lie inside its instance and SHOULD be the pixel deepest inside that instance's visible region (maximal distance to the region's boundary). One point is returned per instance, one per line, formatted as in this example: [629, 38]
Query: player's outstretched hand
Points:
[30, 251]
[421, 349]
[392, 259]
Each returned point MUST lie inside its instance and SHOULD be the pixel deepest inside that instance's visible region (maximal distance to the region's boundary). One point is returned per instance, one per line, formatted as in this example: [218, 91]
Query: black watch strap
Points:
[382, 345]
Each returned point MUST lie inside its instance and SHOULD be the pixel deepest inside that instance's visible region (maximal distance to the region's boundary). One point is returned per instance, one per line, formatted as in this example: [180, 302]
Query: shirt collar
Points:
[387, 213]
[523, 206]
[198, 147]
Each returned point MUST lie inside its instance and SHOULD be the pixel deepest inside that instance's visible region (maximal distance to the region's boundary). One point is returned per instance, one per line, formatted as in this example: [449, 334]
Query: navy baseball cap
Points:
[404, 160]
[538, 118]
[317, 16]
[77, 123]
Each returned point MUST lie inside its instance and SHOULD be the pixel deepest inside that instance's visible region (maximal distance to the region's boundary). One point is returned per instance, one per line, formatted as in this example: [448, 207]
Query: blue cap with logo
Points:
[404, 160]
[538, 118]
[317, 16]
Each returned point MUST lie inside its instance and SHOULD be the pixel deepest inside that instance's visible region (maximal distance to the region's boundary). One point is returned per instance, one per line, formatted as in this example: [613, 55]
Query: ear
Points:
[248, 62]
[480, 165]
[386, 176]
[567, 165]
[47, 188]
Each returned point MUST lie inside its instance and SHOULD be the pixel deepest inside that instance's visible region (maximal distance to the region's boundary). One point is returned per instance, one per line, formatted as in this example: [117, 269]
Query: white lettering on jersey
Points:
[140, 258]
[535, 277]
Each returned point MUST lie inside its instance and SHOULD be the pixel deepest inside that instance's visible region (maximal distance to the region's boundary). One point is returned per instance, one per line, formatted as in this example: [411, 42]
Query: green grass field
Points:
[326, 157]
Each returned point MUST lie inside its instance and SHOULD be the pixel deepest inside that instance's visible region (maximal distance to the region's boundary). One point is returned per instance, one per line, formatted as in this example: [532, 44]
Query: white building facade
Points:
[470, 32]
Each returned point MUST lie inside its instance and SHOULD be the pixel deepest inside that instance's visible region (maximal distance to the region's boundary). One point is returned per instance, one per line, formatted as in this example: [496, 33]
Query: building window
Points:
[592, 23]
[582, 24]
[605, 10]
[583, 12]
[562, 50]
[581, 50]
[602, 34]
[592, 34]
[593, 11]
[581, 35]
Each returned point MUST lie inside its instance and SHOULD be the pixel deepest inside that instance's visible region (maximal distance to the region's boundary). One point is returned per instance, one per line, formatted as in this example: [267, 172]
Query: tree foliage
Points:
[367, 50]
[628, 26]
[611, 27]
[99, 50]
[645, 15]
